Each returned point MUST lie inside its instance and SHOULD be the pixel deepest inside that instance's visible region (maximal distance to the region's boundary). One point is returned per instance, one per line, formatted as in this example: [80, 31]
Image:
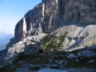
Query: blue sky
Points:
[11, 11]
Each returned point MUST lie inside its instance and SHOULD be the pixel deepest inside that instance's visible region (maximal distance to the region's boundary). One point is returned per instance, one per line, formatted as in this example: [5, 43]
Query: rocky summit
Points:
[54, 25]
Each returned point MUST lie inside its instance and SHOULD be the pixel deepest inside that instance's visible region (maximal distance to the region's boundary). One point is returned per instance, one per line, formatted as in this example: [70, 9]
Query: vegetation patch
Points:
[34, 68]
[79, 65]
[83, 62]
[52, 42]
[56, 57]
[7, 69]
[31, 58]
[39, 60]
[59, 53]
[30, 46]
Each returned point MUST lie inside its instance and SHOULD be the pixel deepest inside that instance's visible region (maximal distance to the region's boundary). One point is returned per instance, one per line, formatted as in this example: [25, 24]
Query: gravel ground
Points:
[81, 70]
[24, 69]
[68, 70]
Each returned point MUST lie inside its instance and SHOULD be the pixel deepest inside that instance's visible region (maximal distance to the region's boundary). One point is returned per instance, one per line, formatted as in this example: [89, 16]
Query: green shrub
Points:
[34, 68]
[7, 69]
[49, 43]
[31, 58]
[21, 56]
[30, 46]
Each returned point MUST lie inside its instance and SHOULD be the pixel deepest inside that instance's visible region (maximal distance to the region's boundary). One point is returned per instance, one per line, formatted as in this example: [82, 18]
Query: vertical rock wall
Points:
[51, 14]
[77, 11]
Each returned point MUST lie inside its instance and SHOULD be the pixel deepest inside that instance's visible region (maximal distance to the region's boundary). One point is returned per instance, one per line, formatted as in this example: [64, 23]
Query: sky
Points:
[11, 11]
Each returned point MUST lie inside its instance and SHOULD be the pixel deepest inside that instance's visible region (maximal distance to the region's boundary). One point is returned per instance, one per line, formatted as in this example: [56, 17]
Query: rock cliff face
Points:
[77, 11]
[39, 20]
[76, 18]
[51, 14]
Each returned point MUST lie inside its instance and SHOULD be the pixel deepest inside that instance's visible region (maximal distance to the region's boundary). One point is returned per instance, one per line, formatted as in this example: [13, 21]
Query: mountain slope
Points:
[4, 39]
[69, 24]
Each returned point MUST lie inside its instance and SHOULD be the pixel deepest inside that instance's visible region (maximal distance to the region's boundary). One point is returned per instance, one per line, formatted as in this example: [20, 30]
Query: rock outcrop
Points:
[77, 11]
[69, 38]
[51, 14]
[75, 21]
[39, 20]
[21, 46]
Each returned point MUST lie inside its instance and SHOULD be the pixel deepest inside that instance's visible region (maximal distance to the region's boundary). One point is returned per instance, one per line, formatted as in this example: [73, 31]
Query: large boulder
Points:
[70, 37]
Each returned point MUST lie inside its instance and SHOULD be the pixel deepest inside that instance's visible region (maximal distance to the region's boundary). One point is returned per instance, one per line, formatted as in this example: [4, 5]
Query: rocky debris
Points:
[81, 70]
[21, 46]
[34, 67]
[22, 70]
[67, 70]
[86, 53]
[92, 61]
[37, 62]
[71, 56]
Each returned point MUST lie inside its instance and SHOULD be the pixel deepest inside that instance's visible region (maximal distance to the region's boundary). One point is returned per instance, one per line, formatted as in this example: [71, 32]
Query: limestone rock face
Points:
[51, 14]
[39, 20]
[77, 11]
[78, 37]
